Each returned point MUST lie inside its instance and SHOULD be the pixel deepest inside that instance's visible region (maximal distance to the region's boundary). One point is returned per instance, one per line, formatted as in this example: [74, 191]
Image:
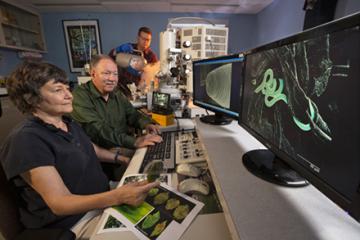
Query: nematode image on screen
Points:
[302, 97]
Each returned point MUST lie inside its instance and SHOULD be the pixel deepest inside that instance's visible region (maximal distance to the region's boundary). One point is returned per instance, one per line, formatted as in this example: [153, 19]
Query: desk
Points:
[256, 209]
[206, 226]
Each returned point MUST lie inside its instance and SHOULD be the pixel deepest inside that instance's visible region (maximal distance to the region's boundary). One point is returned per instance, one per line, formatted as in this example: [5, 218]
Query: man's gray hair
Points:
[97, 58]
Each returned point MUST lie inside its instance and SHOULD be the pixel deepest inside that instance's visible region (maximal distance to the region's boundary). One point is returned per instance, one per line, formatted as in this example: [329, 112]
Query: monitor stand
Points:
[217, 119]
[266, 165]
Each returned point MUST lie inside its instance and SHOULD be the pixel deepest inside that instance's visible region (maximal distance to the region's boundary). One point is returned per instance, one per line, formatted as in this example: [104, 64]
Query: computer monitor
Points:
[301, 99]
[217, 83]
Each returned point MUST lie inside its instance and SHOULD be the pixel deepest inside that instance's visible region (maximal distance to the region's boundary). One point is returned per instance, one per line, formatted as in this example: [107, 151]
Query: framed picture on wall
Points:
[82, 42]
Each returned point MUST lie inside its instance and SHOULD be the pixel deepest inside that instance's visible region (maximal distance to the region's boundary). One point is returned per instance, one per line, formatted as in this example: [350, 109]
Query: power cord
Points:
[212, 49]
[177, 124]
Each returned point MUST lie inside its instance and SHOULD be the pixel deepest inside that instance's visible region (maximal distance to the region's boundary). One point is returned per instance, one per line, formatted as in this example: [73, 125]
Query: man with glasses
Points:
[106, 114]
[141, 47]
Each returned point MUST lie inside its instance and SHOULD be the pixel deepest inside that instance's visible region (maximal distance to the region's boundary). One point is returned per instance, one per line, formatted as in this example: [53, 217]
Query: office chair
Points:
[10, 225]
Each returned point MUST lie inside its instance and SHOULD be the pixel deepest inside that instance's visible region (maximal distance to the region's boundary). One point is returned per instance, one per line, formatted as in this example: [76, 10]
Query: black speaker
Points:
[318, 12]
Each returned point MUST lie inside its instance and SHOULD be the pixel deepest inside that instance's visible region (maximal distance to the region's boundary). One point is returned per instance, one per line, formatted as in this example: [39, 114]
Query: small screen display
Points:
[217, 84]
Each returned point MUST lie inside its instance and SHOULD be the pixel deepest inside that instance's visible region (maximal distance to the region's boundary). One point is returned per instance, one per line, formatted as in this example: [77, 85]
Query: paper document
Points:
[165, 213]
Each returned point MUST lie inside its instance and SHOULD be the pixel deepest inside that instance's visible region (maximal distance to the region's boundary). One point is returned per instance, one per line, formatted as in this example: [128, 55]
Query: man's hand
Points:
[147, 140]
[152, 129]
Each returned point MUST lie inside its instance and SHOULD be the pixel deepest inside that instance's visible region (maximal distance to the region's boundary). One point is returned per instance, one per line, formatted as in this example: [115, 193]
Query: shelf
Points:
[21, 48]
[20, 29]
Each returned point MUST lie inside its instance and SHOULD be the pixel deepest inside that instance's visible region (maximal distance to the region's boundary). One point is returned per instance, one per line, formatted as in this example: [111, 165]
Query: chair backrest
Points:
[11, 117]
[10, 224]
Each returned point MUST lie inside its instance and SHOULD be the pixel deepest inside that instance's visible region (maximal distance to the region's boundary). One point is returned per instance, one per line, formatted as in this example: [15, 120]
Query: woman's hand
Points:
[124, 160]
[134, 194]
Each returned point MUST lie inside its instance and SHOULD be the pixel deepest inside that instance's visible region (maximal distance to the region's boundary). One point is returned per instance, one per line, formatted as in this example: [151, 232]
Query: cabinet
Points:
[20, 28]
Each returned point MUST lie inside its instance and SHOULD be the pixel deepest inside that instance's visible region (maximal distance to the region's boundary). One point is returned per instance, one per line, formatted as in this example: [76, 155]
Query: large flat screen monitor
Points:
[301, 99]
[217, 83]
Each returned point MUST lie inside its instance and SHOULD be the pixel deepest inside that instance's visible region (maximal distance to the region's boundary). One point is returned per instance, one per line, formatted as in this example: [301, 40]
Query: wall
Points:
[283, 18]
[118, 28]
[280, 19]
[346, 7]
[8, 60]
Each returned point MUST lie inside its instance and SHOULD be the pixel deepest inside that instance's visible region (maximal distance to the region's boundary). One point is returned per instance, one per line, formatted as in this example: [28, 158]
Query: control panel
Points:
[189, 148]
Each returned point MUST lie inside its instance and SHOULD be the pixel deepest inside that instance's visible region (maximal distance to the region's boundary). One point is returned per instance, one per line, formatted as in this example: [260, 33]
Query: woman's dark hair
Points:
[24, 83]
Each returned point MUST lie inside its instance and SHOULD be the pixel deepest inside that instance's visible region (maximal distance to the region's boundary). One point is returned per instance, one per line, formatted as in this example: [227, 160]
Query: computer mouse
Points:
[187, 169]
[194, 185]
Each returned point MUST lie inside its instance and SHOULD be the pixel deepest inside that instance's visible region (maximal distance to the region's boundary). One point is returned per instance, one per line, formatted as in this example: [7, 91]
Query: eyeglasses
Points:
[108, 73]
[145, 38]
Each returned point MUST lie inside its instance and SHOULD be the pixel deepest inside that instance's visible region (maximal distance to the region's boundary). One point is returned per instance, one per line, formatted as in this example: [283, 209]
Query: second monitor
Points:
[217, 83]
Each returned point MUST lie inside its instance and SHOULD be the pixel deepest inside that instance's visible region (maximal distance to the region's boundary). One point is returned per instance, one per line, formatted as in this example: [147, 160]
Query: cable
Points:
[177, 124]
[211, 48]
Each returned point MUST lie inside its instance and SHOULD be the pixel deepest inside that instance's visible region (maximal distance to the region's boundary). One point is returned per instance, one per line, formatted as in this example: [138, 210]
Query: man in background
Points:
[129, 75]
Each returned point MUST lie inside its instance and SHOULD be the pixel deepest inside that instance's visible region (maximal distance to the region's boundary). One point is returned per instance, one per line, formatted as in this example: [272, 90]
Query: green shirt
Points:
[106, 122]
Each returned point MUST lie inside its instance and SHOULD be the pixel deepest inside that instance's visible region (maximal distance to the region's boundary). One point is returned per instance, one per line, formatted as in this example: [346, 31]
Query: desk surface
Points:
[256, 209]
[205, 226]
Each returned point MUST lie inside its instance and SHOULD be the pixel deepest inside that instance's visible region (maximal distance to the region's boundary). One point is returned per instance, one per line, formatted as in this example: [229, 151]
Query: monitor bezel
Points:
[352, 206]
[217, 109]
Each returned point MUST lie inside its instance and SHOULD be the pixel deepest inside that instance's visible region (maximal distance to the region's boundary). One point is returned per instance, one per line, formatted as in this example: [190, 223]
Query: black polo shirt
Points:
[33, 144]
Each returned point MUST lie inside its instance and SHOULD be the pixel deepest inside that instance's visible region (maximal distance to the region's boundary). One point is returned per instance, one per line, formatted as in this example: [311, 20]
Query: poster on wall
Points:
[82, 42]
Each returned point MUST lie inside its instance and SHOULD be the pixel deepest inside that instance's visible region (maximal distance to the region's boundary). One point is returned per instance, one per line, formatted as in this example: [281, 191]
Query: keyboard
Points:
[164, 151]
[177, 147]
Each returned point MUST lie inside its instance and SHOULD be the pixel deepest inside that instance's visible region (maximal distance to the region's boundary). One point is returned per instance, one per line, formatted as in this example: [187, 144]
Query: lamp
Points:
[126, 60]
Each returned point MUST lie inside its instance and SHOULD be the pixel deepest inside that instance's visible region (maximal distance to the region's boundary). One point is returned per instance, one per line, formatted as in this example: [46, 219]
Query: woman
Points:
[49, 159]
